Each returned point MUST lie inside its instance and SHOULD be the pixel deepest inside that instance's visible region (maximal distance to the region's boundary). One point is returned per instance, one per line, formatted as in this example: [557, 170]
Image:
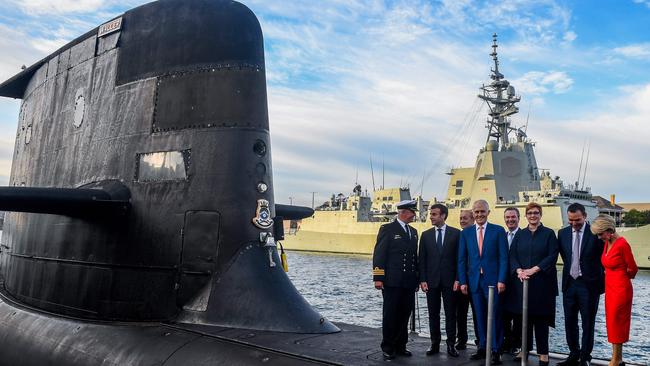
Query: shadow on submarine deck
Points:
[354, 345]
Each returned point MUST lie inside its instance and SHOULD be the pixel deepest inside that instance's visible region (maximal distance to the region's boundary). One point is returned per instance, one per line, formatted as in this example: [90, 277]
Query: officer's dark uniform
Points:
[395, 263]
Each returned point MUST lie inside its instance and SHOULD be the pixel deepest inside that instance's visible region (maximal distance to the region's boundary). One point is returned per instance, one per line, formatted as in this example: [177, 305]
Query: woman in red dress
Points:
[620, 267]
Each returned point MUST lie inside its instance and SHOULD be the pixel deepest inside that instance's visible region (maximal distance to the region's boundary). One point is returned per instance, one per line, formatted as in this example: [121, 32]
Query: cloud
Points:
[46, 46]
[59, 6]
[644, 2]
[618, 132]
[637, 51]
[542, 21]
[538, 82]
[22, 52]
[570, 36]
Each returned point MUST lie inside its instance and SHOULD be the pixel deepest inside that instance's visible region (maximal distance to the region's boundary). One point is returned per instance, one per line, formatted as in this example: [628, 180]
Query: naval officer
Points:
[395, 273]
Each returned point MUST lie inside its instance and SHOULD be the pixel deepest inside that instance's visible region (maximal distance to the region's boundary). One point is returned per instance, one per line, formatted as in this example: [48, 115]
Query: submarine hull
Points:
[34, 338]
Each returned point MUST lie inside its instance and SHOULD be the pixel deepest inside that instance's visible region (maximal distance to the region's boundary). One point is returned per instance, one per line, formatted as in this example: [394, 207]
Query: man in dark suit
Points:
[463, 301]
[582, 283]
[483, 262]
[438, 260]
[395, 273]
[511, 321]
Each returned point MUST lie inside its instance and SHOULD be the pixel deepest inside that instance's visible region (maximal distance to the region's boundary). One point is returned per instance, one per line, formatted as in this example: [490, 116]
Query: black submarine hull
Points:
[34, 338]
[141, 198]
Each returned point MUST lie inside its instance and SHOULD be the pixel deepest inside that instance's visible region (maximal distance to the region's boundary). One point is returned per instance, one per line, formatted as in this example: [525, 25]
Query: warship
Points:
[505, 174]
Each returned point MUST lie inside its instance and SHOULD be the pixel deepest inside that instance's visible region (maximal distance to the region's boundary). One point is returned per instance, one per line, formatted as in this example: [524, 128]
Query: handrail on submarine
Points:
[74, 202]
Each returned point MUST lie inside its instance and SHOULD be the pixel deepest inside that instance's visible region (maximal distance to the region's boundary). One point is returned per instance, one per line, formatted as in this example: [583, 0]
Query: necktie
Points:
[408, 231]
[480, 240]
[575, 257]
[439, 240]
[511, 235]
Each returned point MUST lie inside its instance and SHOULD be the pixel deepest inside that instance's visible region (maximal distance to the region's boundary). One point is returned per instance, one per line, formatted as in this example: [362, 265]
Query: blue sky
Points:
[398, 80]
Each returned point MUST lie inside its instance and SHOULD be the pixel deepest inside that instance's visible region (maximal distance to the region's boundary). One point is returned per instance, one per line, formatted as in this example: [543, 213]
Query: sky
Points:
[395, 82]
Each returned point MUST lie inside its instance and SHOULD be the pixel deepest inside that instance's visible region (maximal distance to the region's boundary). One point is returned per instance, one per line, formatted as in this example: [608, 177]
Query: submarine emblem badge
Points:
[262, 217]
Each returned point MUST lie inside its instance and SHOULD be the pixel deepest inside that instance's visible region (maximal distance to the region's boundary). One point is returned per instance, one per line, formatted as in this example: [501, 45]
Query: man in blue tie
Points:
[483, 262]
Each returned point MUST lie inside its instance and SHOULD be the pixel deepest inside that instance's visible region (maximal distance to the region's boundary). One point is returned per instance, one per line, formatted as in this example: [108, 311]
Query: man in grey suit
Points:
[438, 261]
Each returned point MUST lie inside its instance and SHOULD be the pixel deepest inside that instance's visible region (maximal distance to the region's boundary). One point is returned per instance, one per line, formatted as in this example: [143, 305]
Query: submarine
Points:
[141, 226]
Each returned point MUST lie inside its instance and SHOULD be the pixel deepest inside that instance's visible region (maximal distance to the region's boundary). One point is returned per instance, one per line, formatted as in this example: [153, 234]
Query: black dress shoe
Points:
[514, 351]
[433, 350]
[405, 352]
[451, 350]
[569, 361]
[461, 346]
[496, 358]
[584, 363]
[543, 363]
[479, 355]
[388, 356]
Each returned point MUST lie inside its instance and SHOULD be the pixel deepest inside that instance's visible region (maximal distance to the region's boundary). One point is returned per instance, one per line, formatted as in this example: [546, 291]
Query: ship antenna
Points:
[584, 176]
[500, 97]
[313, 196]
[580, 167]
[422, 185]
[527, 117]
[372, 173]
[383, 174]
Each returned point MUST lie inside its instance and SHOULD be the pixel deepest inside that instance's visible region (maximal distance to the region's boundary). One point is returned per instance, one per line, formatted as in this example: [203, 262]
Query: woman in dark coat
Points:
[533, 255]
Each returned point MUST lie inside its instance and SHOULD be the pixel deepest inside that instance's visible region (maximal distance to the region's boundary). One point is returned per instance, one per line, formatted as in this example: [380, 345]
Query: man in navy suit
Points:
[438, 259]
[582, 283]
[483, 262]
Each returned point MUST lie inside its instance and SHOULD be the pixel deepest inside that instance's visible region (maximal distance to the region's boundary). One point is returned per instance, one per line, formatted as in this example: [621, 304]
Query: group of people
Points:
[458, 267]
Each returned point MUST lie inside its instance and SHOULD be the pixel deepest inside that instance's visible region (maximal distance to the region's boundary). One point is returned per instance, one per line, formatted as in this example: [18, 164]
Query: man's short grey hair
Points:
[482, 202]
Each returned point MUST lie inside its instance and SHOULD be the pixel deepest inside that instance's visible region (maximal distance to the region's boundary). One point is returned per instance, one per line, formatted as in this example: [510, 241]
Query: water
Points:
[340, 287]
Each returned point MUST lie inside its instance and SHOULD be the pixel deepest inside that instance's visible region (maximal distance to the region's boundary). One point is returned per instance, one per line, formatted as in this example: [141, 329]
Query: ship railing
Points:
[524, 325]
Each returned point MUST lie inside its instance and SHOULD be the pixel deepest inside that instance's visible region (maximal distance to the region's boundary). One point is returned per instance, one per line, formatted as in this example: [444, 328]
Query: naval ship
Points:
[505, 174]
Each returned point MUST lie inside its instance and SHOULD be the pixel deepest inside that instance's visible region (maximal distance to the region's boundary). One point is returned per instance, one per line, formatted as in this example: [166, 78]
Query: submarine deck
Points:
[33, 337]
[354, 345]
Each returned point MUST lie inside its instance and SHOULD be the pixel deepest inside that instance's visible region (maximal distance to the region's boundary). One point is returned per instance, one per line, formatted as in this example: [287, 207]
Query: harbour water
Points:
[340, 288]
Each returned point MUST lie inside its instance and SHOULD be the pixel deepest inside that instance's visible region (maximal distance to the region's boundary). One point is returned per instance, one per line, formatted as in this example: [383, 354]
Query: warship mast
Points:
[501, 99]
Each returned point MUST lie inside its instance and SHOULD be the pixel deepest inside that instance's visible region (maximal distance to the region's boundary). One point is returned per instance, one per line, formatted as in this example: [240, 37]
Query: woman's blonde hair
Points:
[603, 223]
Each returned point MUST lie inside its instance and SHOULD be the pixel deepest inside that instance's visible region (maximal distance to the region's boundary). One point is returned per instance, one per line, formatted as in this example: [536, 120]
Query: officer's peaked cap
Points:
[407, 205]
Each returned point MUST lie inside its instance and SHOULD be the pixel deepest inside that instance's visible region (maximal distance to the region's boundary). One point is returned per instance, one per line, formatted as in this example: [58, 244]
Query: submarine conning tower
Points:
[157, 123]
